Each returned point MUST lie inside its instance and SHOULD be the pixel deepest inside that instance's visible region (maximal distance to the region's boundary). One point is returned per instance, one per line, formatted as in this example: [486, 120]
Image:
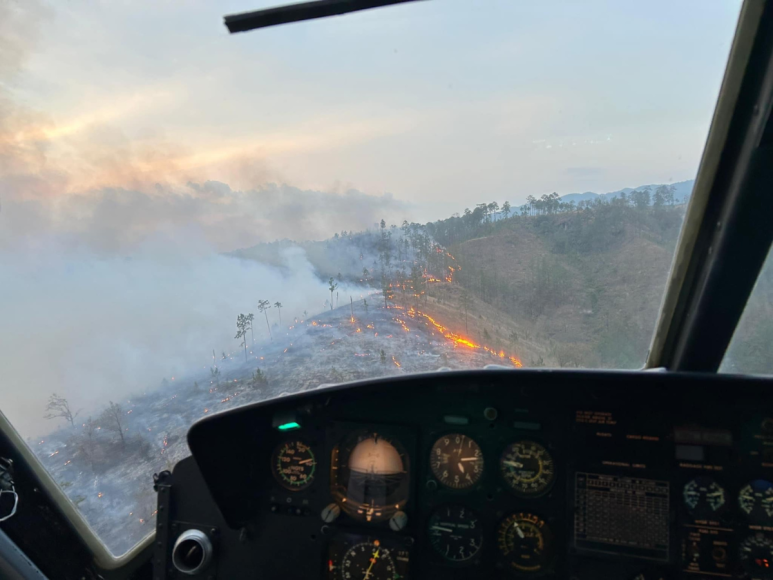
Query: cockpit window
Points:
[750, 350]
[191, 221]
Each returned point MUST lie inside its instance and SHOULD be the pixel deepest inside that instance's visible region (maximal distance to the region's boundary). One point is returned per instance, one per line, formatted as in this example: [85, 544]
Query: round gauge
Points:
[368, 560]
[294, 465]
[369, 476]
[525, 542]
[756, 501]
[455, 532]
[757, 556]
[527, 468]
[703, 496]
[456, 461]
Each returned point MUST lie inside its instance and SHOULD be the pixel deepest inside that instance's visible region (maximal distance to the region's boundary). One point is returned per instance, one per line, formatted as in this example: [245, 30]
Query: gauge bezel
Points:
[757, 537]
[339, 473]
[548, 558]
[439, 479]
[274, 467]
[546, 489]
[471, 560]
[697, 513]
[753, 515]
[400, 550]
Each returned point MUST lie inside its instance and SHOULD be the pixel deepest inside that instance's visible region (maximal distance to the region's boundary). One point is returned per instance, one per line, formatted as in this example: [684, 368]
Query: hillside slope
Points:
[585, 286]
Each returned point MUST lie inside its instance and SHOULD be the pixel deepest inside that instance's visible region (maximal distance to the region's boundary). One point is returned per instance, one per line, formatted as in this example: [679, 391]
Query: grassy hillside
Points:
[586, 284]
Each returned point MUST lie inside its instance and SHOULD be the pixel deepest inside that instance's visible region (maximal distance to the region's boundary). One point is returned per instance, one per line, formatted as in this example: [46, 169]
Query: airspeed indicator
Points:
[527, 468]
[294, 465]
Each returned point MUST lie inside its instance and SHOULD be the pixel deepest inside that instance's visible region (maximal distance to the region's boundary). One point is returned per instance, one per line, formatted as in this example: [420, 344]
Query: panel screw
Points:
[490, 414]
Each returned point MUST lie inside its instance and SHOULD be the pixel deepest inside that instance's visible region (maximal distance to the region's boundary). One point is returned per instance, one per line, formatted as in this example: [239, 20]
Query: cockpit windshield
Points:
[191, 221]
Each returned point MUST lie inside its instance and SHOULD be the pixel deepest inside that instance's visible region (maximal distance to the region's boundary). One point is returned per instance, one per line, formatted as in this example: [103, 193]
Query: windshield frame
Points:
[708, 286]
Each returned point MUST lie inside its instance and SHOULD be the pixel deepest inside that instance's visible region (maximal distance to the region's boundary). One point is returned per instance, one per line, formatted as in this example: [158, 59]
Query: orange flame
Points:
[460, 340]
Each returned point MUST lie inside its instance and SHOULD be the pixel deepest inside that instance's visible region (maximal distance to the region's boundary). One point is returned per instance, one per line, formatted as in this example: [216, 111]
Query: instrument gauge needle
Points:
[372, 561]
[519, 531]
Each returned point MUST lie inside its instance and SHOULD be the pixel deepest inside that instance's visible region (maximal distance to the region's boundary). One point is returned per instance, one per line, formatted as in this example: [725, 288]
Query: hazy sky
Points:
[443, 104]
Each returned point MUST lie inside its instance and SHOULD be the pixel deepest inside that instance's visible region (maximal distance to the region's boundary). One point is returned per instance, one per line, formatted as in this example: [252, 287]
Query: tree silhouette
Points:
[492, 208]
[278, 306]
[214, 372]
[251, 317]
[333, 285]
[112, 420]
[417, 281]
[85, 443]
[506, 209]
[386, 290]
[670, 195]
[259, 379]
[242, 326]
[59, 407]
[263, 306]
[659, 198]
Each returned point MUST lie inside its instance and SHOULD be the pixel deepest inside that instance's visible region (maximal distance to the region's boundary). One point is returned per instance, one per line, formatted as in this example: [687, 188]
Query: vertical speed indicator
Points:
[455, 532]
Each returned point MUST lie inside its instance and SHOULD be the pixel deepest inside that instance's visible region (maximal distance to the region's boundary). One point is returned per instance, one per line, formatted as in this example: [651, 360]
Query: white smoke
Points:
[105, 295]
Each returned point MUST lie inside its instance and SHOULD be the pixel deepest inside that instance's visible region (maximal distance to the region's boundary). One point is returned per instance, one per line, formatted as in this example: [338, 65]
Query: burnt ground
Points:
[111, 481]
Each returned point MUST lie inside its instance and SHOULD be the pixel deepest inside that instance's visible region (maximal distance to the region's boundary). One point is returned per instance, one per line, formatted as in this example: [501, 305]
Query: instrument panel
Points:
[580, 475]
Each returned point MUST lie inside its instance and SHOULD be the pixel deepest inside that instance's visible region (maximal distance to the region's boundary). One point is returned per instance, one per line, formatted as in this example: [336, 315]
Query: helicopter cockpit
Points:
[462, 432]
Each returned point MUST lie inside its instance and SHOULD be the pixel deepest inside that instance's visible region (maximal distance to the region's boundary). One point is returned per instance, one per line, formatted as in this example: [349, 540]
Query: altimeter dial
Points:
[456, 461]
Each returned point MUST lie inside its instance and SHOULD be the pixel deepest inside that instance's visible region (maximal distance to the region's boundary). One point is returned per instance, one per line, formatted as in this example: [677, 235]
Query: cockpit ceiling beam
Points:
[298, 12]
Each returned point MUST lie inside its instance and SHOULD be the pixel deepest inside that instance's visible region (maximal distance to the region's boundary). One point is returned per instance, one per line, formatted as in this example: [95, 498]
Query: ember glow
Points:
[460, 340]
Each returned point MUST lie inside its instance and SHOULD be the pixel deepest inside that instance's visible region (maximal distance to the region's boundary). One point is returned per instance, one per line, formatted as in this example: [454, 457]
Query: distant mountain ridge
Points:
[682, 191]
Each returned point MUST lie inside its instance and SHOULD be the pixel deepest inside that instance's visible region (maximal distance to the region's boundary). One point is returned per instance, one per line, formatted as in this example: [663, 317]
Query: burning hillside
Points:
[109, 476]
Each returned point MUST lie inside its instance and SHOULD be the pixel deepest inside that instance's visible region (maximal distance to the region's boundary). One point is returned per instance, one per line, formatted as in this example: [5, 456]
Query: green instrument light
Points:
[291, 426]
